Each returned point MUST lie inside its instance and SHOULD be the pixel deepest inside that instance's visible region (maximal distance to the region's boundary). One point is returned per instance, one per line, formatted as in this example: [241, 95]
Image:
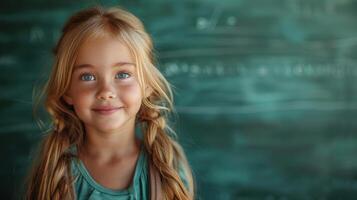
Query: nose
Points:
[106, 92]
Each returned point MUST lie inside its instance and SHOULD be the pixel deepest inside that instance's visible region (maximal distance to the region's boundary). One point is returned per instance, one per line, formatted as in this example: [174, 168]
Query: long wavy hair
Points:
[50, 176]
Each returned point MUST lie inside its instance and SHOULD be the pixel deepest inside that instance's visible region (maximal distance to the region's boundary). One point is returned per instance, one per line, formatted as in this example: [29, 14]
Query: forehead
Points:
[103, 51]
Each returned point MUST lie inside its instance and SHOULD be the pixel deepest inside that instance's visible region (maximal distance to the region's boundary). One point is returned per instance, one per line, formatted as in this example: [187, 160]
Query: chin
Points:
[110, 129]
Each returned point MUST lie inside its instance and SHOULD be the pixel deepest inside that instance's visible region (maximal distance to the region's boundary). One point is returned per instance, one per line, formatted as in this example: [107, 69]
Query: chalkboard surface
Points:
[265, 90]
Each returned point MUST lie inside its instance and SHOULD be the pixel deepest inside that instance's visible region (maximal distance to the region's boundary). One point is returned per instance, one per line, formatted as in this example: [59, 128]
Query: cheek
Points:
[131, 94]
[81, 96]
[81, 102]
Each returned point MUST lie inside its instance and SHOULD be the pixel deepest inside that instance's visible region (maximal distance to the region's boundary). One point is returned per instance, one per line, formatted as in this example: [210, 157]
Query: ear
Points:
[148, 91]
[68, 99]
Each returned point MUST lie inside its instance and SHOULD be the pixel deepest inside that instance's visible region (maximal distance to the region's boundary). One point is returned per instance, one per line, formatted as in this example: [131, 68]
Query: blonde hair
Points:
[50, 177]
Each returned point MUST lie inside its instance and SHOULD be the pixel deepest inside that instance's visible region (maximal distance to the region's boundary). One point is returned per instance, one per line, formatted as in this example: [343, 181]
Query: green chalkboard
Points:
[265, 90]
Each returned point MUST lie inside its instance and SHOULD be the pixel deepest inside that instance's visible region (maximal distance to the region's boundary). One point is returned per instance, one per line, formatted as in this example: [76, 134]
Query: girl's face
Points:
[104, 89]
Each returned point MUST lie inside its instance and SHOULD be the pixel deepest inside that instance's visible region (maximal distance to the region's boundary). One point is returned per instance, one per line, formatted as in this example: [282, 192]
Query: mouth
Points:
[106, 111]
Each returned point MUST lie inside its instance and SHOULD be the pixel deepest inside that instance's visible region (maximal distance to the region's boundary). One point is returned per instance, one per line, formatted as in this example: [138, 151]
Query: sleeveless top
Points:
[86, 188]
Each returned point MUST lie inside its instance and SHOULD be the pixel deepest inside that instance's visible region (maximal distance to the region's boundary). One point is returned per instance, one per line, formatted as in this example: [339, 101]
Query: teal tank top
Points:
[86, 188]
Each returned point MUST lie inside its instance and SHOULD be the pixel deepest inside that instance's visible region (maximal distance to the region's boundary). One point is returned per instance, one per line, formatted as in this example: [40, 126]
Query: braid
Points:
[164, 154]
[51, 176]
[53, 162]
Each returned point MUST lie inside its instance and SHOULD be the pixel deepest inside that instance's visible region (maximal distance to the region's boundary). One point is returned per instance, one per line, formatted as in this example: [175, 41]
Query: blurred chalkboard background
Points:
[265, 90]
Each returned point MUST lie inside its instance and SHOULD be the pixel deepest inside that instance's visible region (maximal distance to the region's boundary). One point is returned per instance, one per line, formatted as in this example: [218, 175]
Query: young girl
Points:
[104, 83]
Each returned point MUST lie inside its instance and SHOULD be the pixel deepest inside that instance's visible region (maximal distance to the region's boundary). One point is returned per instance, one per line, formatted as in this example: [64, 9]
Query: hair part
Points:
[50, 177]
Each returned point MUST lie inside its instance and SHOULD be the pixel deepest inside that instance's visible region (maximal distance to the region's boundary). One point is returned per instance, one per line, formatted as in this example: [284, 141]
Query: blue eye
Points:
[123, 75]
[87, 77]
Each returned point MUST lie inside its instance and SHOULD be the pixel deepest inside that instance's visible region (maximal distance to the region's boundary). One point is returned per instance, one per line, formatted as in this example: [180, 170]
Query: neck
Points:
[105, 147]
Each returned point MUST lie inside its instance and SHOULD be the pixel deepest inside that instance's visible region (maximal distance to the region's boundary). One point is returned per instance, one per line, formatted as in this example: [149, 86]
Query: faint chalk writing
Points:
[210, 23]
[262, 70]
[314, 8]
[39, 34]
[7, 60]
[36, 34]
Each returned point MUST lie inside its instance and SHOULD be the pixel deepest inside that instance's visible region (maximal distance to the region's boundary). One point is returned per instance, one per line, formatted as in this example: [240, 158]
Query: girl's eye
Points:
[123, 75]
[87, 77]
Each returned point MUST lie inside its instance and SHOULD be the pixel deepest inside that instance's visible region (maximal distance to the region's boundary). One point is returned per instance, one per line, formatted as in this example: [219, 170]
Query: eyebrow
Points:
[118, 64]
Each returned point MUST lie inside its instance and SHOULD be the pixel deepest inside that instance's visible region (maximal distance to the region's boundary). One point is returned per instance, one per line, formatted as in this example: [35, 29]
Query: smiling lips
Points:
[106, 110]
